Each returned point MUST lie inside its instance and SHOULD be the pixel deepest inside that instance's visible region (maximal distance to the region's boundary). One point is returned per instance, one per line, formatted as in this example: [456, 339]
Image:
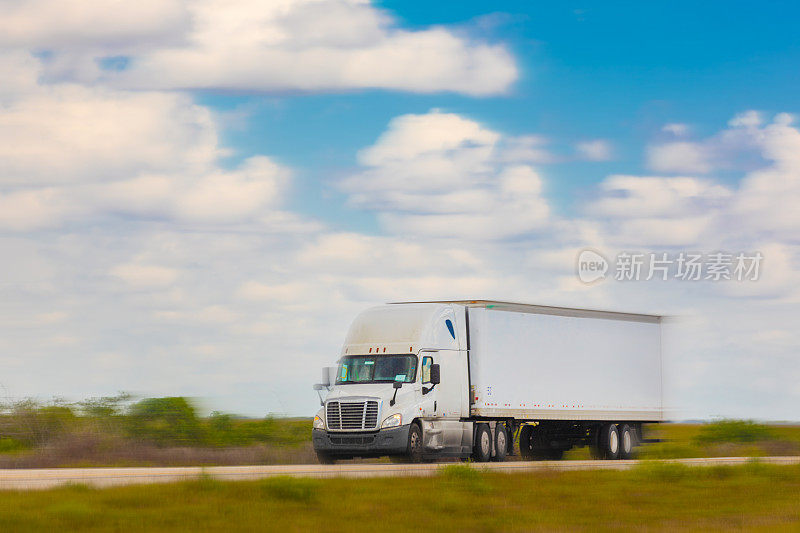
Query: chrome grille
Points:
[352, 415]
[333, 419]
[371, 415]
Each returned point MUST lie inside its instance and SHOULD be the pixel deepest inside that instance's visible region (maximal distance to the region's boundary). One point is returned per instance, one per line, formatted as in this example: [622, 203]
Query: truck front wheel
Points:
[414, 450]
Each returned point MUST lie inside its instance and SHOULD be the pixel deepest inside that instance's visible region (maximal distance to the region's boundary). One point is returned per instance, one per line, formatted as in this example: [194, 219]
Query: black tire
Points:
[525, 442]
[608, 441]
[414, 449]
[325, 459]
[500, 443]
[627, 440]
[482, 448]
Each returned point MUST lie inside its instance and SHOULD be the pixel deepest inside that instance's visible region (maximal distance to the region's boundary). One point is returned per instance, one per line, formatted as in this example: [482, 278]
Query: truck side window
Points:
[427, 361]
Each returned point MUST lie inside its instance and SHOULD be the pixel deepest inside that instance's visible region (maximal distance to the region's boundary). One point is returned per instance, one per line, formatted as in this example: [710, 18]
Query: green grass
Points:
[654, 497]
[722, 438]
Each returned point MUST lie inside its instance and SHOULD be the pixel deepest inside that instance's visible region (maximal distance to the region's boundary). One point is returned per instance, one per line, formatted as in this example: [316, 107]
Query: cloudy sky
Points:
[196, 197]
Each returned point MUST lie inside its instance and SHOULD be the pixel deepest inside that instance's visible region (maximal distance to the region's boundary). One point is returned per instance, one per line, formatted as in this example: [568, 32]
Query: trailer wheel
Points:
[482, 449]
[525, 444]
[500, 443]
[609, 441]
[627, 439]
[414, 450]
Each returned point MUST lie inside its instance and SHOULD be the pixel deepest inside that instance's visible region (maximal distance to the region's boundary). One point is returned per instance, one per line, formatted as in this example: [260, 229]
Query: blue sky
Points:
[616, 71]
[197, 197]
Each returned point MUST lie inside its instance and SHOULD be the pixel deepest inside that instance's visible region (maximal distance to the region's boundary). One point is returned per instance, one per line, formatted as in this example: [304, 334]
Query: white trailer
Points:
[465, 378]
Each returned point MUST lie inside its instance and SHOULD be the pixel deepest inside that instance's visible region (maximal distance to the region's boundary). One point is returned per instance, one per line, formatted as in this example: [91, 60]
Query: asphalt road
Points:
[41, 478]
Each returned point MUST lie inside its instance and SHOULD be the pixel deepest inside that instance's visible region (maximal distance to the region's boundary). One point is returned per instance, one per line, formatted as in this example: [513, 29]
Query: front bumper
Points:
[384, 442]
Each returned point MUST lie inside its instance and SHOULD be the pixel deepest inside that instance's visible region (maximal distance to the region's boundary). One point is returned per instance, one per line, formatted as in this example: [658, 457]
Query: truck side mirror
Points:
[435, 378]
[397, 386]
[436, 375]
[326, 383]
[326, 377]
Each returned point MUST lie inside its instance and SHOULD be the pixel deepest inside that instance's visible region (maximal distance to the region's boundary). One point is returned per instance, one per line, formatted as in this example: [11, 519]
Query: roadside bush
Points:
[170, 421]
[733, 431]
[29, 424]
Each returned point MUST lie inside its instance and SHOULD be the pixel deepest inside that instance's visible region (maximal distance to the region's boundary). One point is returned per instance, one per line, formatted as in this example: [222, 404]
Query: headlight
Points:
[318, 423]
[392, 421]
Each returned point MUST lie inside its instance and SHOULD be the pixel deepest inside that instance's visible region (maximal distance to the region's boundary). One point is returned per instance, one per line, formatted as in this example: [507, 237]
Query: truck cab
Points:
[387, 395]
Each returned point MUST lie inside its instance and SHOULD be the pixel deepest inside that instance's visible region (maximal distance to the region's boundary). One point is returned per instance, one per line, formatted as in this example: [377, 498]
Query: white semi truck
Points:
[422, 380]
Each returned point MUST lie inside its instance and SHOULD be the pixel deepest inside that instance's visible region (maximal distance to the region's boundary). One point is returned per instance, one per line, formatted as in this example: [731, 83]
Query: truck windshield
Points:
[377, 369]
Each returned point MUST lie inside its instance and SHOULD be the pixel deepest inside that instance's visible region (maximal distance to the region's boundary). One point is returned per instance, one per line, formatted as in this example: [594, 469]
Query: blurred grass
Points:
[651, 497]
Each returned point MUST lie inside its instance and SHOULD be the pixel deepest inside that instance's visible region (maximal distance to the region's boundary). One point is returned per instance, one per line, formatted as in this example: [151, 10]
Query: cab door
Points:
[427, 402]
[442, 402]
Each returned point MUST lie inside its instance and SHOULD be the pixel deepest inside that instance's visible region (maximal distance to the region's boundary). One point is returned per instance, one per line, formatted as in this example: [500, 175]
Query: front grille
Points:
[352, 415]
[365, 439]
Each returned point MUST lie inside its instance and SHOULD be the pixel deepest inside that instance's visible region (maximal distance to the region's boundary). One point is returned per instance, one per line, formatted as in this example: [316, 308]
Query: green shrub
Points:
[170, 421]
[8, 445]
[733, 431]
[31, 424]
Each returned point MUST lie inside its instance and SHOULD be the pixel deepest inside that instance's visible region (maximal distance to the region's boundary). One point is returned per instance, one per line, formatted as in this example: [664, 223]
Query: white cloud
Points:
[769, 196]
[596, 150]
[105, 24]
[283, 293]
[306, 45]
[676, 128]
[32, 209]
[68, 133]
[679, 157]
[646, 196]
[71, 153]
[145, 276]
[442, 174]
[747, 119]
[527, 149]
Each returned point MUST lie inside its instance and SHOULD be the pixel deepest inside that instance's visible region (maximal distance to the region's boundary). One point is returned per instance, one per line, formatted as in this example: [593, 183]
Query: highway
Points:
[31, 479]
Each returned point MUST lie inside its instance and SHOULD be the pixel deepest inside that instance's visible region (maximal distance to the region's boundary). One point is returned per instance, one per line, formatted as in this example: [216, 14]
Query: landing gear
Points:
[526, 442]
[535, 446]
